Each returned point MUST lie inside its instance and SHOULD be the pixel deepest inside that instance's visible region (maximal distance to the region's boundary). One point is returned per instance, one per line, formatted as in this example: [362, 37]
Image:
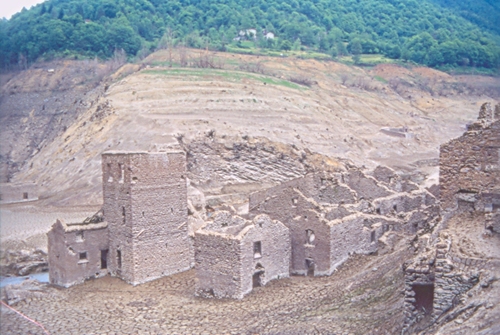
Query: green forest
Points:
[430, 32]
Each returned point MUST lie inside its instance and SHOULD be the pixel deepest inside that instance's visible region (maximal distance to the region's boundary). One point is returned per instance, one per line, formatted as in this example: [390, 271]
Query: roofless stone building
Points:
[145, 235]
[307, 226]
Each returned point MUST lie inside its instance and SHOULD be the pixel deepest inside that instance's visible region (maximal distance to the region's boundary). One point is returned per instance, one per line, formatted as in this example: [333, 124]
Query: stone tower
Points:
[145, 205]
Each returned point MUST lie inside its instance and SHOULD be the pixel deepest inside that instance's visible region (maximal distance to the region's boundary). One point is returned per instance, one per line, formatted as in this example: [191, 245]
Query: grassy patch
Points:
[228, 75]
[367, 60]
[381, 79]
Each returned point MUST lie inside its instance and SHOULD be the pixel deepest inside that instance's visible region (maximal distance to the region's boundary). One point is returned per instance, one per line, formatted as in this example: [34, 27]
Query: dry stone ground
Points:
[363, 297]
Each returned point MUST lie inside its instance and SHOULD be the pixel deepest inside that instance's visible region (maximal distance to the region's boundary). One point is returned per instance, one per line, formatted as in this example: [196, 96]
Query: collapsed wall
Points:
[444, 270]
[333, 215]
[436, 281]
[469, 168]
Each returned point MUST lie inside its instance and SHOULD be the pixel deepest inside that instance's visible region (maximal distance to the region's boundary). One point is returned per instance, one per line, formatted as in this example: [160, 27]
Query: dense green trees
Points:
[432, 32]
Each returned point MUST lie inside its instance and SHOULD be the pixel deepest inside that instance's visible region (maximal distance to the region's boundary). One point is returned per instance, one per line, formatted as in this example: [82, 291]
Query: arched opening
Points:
[258, 275]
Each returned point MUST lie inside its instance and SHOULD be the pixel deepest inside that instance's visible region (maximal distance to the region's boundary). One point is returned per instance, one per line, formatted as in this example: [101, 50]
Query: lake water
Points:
[41, 277]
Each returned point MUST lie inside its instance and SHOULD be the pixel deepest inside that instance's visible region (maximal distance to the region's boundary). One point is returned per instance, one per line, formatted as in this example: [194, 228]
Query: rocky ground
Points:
[362, 297]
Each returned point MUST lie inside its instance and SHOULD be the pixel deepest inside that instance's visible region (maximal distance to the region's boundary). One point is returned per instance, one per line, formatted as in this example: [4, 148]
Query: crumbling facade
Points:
[77, 251]
[145, 199]
[306, 226]
[469, 170]
[233, 255]
[333, 216]
[436, 280]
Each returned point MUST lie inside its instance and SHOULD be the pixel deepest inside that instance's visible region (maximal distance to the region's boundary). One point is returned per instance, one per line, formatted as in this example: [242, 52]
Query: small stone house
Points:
[18, 192]
[77, 251]
[234, 255]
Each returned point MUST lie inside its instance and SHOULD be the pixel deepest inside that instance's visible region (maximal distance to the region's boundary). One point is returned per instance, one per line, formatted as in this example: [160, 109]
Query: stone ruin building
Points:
[145, 201]
[78, 251]
[144, 235]
[306, 226]
[469, 170]
[437, 279]
[18, 192]
[233, 255]
[331, 216]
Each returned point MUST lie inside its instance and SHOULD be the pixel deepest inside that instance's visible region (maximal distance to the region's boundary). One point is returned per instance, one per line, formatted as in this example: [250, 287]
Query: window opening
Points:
[372, 237]
[119, 258]
[104, 259]
[79, 236]
[257, 250]
[123, 214]
[122, 173]
[83, 256]
[110, 174]
[310, 237]
[25, 195]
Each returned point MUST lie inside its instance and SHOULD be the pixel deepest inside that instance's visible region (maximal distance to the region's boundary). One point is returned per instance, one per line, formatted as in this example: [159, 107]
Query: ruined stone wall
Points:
[307, 249]
[77, 252]
[453, 277]
[436, 281]
[324, 188]
[355, 234]
[273, 262]
[470, 164]
[12, 192]
[366, 187]
[145, 203]
[288, 205]
[231, 256]
[217, 265]
[118, 213]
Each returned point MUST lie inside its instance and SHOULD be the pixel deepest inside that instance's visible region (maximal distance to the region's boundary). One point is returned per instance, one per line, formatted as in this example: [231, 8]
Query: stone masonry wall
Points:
[75, 252]
[274, 259]
[471, 163]
[217, 265]
[355, 234]
[118, 214]
[145, 203]
[299, 214]
[227, 257]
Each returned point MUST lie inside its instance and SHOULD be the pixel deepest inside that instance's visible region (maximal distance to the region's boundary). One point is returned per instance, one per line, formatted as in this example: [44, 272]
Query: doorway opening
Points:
[424, 297]
[104, 259]
[258, 275]
[310, 266]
